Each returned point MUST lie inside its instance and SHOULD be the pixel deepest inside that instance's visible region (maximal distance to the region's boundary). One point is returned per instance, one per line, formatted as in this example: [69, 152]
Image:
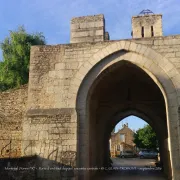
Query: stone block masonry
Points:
[147, 26]
[12, 111]
[53, 133]
[88, 29]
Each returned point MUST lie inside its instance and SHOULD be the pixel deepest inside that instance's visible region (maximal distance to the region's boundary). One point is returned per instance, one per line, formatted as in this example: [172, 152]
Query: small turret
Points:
[146, 24]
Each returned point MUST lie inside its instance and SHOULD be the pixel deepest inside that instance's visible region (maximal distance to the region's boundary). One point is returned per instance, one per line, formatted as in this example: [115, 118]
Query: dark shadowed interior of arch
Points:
[121, 90]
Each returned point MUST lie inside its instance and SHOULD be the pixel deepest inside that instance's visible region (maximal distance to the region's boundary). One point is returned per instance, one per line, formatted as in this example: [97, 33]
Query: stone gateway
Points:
[78, 92]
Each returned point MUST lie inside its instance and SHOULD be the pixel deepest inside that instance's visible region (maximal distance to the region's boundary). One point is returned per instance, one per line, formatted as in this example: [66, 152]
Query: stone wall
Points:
[51, 133]
[149, 23]
[12, 110]
[51, 71]
[168, 46]
[54, 67]
[88, 29]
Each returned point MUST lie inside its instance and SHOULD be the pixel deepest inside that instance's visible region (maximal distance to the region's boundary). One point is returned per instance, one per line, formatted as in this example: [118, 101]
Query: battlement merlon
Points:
[147, 25]
[147, 15]
[88, 29]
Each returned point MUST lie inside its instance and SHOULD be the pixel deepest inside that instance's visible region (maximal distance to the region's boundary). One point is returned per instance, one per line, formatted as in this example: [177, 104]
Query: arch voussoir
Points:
[143, 56]
[138, 47]
[141, 60]
[101, 55]
[128, 56]
[122, 44]
[132, 47]
[104, 52]
[108, 50]
[168, 67]
[133, 57]
[79, 76]
[162, 62]
[113, 47]
[156, 70]
[76, 82]
[148, 64]
[83, 70]
[173, 72]
[87, 65]
[143, 49]
[118, 44]
[93, 60]
[74, 89]
[127, 45]
[157, 58]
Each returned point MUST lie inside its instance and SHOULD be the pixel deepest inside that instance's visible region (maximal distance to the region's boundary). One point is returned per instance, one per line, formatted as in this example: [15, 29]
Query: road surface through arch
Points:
[140, 169]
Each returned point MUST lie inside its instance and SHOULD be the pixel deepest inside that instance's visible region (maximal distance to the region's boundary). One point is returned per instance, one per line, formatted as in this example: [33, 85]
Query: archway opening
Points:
[133, 139]
[134, 123]
[121, 90]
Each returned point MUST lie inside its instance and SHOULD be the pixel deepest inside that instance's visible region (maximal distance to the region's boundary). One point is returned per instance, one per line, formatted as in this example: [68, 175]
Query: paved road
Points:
[132, 169]
[133, 162]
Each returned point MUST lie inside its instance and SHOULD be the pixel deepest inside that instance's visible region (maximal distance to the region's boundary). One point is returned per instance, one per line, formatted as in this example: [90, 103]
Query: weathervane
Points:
[147, 11]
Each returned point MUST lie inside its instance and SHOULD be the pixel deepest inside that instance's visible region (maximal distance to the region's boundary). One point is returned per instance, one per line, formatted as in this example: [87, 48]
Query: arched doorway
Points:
[119, 83]
[129, 161]
[123, 88]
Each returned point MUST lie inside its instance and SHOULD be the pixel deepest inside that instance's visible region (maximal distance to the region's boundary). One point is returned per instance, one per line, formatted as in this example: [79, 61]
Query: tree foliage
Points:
[14, 68]
[146, 138]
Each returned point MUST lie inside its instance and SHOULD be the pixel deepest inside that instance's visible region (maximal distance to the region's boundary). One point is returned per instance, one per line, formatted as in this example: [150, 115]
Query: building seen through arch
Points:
[122, 141]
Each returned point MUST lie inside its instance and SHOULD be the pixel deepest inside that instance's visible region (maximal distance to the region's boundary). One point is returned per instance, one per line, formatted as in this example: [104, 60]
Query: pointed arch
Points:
[159, 68]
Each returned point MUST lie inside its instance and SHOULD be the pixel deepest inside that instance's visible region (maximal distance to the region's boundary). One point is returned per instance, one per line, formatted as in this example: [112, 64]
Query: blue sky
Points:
[52, 17]
[134, 123]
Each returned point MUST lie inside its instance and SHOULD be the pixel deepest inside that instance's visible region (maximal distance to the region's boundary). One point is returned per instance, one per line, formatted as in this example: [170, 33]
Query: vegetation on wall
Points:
[146, 138]
[14, 67]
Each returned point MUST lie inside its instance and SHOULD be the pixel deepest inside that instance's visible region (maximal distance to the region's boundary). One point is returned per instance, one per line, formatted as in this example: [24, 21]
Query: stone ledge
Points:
[82, 19]
[49, 112]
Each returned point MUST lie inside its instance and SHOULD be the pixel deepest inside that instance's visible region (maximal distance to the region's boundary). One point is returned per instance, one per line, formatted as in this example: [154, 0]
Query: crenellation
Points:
[95, 18]
[88, 29]
[147, 25]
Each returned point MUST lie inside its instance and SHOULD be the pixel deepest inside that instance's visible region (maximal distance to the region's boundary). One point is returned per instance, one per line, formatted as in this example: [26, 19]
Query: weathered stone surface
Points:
[88, 29]
[12, 111]
[147, 26]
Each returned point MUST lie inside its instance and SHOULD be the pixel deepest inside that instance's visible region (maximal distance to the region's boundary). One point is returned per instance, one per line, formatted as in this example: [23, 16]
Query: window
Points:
[118, 147]
[122, 137]
[152, 31]
[121, 147]
[142, 31]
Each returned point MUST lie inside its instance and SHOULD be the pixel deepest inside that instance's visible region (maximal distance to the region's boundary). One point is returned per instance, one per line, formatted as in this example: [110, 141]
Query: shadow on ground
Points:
[33, 168]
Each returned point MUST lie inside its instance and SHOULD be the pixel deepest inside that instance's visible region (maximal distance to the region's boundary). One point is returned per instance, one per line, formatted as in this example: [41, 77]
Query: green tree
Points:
[14, 68]
[146, 138]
